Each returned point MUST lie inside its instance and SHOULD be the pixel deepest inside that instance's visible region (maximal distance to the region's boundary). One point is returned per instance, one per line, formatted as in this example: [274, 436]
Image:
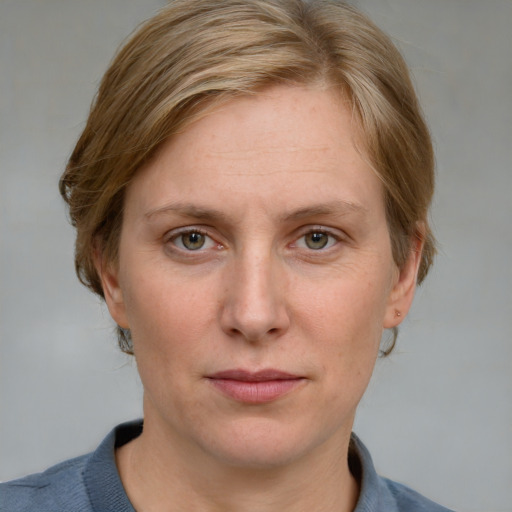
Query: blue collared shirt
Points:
[91, 483]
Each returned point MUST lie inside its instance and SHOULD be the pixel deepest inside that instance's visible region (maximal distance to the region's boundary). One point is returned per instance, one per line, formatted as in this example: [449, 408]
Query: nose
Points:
[254, 307]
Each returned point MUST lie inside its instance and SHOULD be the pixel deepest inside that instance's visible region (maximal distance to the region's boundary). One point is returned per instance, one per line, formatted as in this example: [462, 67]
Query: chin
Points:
[261, 443]
[258, 455]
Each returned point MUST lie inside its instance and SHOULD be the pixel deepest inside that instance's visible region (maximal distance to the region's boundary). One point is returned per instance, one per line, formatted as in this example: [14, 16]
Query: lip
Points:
[255, 387]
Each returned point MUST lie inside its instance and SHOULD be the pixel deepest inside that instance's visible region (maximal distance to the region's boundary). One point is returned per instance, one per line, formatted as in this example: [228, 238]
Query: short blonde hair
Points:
[197, 52]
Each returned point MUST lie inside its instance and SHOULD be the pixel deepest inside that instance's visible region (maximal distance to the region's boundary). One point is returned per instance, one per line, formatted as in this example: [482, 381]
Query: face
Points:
[256, 276]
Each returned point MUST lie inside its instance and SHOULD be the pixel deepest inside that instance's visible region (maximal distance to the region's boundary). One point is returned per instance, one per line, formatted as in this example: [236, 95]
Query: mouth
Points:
[255, 387]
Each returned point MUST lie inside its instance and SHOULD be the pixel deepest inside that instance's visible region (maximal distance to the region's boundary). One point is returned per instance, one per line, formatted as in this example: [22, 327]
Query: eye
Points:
[316, 240]
[192, 241]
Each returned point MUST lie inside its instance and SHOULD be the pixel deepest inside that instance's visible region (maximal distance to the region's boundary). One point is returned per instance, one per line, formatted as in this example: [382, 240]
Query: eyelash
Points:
[172, 237]
[322, 231]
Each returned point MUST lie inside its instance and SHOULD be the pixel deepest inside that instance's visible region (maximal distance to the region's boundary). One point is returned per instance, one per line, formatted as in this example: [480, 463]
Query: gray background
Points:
[438, 414]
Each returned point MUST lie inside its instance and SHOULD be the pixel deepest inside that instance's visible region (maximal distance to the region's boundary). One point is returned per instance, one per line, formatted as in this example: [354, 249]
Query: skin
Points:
[253, 180]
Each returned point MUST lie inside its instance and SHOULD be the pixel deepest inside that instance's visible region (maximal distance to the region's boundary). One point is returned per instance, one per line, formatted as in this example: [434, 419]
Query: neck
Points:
[162, 475]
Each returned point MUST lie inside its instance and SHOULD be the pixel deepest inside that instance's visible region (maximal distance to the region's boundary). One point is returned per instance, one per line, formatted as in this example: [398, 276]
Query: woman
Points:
[250, 196]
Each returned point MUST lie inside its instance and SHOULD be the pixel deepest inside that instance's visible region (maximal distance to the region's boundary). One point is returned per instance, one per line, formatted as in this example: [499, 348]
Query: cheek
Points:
[170, 320]
[345, 322]
[351, 307]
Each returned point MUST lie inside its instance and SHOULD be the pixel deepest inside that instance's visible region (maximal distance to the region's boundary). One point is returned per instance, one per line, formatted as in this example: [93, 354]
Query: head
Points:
[195, 56]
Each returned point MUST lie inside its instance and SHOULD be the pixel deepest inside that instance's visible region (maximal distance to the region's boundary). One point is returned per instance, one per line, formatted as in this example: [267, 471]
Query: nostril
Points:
[252, 308]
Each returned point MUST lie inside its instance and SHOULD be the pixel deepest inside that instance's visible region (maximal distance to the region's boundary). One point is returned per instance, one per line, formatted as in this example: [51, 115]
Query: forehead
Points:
[272, 120]
[277, 147]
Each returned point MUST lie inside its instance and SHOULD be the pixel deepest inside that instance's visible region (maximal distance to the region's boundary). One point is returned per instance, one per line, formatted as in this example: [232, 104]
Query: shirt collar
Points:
[107, 494]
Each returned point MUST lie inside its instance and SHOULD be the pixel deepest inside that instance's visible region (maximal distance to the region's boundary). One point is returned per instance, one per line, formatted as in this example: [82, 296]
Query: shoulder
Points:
[84, 484]
[408, 500]
[60, 487]
[380, 494]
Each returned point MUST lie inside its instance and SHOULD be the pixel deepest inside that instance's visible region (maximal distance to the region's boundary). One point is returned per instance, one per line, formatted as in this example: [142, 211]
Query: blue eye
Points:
[193, 241]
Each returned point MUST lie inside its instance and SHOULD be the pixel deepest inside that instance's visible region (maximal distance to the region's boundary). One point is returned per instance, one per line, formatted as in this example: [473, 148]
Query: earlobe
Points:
[112, 291]
[402, 294]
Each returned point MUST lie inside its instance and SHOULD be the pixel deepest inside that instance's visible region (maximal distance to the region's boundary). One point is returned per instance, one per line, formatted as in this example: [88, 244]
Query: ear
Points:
[402, 294]
[112, 291]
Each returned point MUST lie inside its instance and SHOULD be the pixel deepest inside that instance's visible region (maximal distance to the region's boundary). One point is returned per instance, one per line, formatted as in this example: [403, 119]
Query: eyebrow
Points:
[331, 208]
[188, 210]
